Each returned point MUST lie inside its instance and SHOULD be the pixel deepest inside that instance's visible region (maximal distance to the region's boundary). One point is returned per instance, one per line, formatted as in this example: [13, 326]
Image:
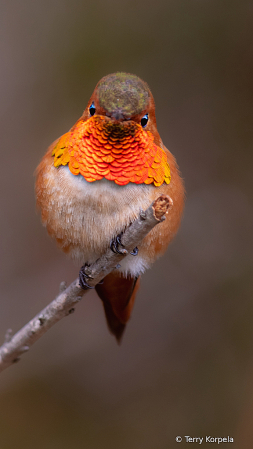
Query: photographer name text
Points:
[206, 439]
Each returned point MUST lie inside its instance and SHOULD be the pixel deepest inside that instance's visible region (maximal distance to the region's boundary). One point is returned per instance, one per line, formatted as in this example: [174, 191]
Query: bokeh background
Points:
[185, 366]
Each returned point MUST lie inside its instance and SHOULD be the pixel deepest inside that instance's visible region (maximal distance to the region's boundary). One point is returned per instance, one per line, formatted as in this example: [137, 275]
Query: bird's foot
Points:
[116, 243]
[84, 277]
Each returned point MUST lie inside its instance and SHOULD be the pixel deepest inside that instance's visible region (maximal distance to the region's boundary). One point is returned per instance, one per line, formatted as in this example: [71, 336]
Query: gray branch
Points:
[14, 346]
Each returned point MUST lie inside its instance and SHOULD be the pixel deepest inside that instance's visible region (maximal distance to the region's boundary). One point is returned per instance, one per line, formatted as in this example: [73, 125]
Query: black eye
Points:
[92, 109]
[144, 121]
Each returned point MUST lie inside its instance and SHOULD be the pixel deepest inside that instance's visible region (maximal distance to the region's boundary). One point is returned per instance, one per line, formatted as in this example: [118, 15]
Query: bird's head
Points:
[116, 138]
[123, 97]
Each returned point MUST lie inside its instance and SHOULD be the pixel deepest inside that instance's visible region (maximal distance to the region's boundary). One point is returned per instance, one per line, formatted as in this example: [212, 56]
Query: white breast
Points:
[91, 214]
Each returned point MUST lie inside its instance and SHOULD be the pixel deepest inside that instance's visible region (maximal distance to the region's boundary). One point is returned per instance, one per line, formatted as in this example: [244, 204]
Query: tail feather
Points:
[118, 295]
[114, 324]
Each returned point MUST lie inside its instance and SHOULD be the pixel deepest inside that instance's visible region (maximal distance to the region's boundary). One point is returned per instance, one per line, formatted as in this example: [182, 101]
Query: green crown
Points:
[123, 92]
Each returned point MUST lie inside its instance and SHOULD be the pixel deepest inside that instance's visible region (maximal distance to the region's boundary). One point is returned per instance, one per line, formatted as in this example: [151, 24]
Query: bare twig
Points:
[63, 305]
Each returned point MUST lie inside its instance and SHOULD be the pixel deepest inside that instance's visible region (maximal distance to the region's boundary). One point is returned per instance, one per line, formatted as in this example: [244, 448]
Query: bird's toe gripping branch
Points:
[116, 243]
[84, 277]
[135, 251]
[115, 246]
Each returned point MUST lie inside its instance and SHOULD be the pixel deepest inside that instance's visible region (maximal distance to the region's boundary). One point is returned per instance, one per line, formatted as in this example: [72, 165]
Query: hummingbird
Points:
[93, 181]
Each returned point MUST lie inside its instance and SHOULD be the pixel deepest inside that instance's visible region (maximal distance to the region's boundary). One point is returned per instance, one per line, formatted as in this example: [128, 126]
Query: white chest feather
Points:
[85, 216]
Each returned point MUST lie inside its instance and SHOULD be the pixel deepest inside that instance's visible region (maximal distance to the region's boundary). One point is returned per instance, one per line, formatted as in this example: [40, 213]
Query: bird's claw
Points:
[115, 243]
[135, 251]
[83, 277]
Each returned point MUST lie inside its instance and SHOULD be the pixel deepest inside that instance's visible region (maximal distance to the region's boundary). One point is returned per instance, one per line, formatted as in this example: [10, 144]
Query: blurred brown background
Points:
[186, 363]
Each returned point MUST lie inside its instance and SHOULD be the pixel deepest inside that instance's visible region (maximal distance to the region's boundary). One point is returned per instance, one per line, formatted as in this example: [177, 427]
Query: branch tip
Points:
[161, 206]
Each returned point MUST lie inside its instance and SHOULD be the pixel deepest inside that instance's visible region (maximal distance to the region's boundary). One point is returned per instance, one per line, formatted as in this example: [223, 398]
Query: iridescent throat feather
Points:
[121, 152]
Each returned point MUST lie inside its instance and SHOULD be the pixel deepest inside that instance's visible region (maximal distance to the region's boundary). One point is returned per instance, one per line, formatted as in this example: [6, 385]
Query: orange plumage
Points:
[93, 181]
[97, 148]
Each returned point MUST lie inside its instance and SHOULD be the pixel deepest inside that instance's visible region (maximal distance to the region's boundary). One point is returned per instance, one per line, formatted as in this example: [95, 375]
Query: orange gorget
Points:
[98, 148]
